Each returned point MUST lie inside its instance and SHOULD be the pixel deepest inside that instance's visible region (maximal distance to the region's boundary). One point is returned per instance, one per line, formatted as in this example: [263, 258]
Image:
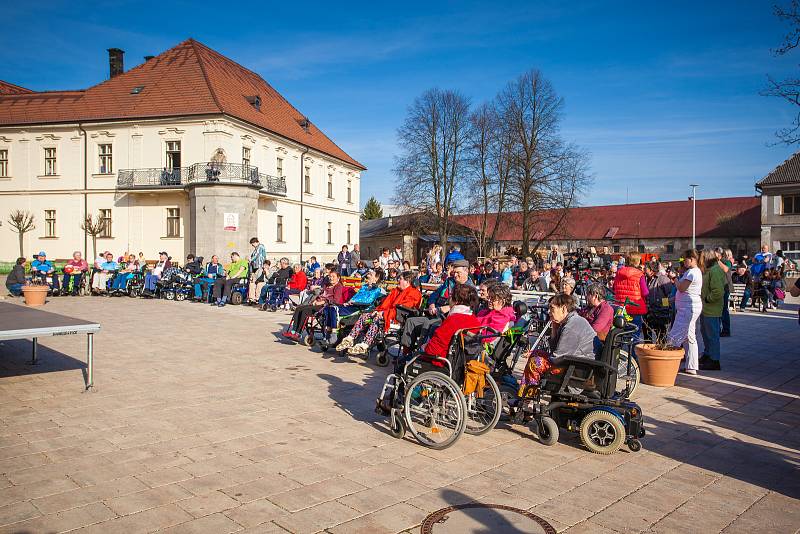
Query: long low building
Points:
[663, 228]
[187, 152]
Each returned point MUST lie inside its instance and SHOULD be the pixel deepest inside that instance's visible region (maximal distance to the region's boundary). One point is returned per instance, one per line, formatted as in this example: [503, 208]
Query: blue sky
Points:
[661, 94]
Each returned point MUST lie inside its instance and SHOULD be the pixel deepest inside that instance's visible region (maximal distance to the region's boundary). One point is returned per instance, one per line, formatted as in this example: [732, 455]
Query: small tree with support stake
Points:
[22, 222]
[93, 227]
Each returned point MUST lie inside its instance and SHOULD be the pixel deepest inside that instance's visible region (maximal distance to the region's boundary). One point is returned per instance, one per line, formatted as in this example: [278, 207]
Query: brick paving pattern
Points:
[204, 421]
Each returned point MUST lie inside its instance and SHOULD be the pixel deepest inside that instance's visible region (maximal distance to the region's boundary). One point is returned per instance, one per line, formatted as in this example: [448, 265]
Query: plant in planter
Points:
[659, 362]
[35, 292]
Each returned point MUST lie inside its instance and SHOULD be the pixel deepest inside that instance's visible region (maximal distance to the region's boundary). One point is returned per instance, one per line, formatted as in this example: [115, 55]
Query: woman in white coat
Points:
[689, 306]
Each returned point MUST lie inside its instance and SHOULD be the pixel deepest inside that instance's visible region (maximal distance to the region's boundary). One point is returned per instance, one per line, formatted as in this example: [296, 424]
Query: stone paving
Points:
[204, 421]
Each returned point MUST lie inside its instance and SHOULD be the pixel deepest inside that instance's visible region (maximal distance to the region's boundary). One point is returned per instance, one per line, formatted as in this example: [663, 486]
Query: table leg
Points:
[89, 360]
[35, 352]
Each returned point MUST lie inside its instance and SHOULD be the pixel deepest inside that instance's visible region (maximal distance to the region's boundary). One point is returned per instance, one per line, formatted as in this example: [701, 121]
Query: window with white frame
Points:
[105, 216]
[307, 180]
[50, 161]
[349, 191]
[307, 231]
[173, 222]
[245, 156]
[173, 154]
[279, 229]
[4, 163]
[330, 186]
[50, 223]
[279, 167]
[330, 233]
[105, 153]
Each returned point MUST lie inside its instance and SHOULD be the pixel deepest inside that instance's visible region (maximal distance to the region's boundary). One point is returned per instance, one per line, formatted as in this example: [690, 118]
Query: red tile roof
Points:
[717, 217]
[11, 89]
[189, 79]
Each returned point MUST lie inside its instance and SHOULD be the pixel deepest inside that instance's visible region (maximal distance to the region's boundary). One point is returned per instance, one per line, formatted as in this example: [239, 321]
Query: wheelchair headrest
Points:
[619, 321]
[520, 308]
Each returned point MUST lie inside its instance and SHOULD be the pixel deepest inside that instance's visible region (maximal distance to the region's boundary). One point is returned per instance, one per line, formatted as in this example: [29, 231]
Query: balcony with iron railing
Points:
[200, 173]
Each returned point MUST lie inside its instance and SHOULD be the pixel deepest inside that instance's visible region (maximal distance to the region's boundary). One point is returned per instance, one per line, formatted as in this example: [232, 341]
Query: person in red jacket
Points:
[464, 299]
[630, 288]
[403, 295]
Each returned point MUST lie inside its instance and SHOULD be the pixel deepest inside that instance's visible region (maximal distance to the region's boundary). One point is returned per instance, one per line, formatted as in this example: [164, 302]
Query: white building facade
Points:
[155, 183]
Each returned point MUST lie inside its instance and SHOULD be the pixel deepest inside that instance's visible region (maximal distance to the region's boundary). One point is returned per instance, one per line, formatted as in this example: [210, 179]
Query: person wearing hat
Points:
[416, 329]
[41, 268]
[74, 270]
[155, 273]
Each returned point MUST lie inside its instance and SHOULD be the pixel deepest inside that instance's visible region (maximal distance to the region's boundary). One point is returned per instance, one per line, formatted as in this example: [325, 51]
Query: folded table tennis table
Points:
[22, 322]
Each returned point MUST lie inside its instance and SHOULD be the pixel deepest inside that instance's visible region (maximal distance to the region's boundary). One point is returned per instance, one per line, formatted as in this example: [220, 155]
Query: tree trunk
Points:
[94, 247]
[21, 243]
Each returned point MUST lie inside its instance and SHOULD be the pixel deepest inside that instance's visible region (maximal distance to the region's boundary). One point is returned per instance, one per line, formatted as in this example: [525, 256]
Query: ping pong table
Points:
[22, 322]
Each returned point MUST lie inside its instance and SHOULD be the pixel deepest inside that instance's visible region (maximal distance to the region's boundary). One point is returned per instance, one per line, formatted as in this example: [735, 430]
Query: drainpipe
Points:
[302, 192]
[85, 188]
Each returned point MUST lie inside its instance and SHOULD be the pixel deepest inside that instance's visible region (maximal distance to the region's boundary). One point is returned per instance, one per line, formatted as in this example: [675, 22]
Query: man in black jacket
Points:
[743, 276]
[16, 278]
[194, 266]
[278, 280]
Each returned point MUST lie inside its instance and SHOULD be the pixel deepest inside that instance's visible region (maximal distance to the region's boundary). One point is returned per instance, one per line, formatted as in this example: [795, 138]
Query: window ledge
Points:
[48, 176]
[49, 237]
[172, 237]
[104, 237]
[103, 175]
[281, 242]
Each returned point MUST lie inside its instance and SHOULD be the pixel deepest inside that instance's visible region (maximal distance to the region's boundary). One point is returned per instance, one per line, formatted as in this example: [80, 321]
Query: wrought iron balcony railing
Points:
[133, 178]
[210, 172]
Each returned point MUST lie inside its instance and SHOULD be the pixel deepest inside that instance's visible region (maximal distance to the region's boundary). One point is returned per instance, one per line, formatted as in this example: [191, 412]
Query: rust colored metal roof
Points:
[787, 172]
[718, 217]
[189, 79]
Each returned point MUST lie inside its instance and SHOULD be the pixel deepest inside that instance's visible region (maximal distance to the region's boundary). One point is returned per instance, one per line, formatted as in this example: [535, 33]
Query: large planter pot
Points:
[658, 367]
[35, 295]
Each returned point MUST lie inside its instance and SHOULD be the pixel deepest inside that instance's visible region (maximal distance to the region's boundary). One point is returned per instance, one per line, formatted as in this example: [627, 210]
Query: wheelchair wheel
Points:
[236, 298]
[630, 379]
[508, 397]
[308, 340]
[434, 410]
[483, 413]
[602, 432]
[180, 296]
[398, 430]
[169, 295]
[547, 431]
[134, 291]
[382, 358]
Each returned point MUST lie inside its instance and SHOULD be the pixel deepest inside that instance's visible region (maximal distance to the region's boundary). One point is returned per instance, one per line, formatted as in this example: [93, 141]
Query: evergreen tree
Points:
[372, 210]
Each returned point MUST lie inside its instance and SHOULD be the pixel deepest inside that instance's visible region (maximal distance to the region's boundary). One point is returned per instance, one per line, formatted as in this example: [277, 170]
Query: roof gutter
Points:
[302, 192]
[85, 189]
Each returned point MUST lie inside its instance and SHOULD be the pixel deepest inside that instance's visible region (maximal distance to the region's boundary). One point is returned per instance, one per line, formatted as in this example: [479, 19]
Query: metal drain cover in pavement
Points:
[484, 518]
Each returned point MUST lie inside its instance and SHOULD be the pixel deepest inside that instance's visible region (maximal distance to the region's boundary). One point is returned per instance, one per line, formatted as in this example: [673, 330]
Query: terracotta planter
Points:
[35, 295]
[658, 367]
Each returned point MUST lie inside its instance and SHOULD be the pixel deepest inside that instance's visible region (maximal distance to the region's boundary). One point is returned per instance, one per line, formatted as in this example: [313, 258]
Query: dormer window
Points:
[138, 89]
[255, 101]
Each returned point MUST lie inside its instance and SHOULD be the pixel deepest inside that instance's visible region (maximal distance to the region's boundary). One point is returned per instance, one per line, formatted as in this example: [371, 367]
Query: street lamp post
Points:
[694, 212]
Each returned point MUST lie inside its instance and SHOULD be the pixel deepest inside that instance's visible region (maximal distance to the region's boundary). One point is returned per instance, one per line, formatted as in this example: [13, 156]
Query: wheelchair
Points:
[388, 343]
[425, 398]
[177, 285]
[579, 395]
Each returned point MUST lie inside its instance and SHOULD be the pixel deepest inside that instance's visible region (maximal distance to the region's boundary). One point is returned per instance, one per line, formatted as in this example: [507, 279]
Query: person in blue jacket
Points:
[365, 297]
[212, 271]
[454, 255]
[41, 268]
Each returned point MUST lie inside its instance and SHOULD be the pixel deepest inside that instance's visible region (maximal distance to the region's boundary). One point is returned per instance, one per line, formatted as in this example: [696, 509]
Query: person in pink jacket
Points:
[499, 313]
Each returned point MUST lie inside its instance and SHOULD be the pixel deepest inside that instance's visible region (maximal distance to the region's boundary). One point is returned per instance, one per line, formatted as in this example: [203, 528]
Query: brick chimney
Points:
[115, 65]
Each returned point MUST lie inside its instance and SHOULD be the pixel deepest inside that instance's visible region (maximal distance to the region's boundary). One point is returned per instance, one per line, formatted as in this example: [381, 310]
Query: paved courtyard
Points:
[204, 421]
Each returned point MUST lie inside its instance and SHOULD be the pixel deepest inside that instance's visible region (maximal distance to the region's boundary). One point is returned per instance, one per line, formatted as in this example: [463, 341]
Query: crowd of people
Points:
[665, 300]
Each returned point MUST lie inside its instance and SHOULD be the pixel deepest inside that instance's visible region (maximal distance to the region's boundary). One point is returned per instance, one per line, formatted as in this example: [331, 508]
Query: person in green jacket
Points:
[236, 273]
[713, 296]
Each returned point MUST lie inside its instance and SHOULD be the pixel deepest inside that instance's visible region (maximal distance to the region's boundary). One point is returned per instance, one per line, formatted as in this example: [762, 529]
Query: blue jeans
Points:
[150, 282]
[726, 314]
[710, 330]
[746, 294]
[15, 289]
[121, 281]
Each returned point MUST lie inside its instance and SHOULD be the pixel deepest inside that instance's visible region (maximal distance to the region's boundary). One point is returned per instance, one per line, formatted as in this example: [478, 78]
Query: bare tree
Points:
[788, 88]
[22, 222]
[546, 174]
[490, 165]
[94, 227]
[431, 169]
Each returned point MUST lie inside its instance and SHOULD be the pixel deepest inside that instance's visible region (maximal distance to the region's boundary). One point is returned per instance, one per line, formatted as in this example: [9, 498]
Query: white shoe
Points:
[359, 349]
